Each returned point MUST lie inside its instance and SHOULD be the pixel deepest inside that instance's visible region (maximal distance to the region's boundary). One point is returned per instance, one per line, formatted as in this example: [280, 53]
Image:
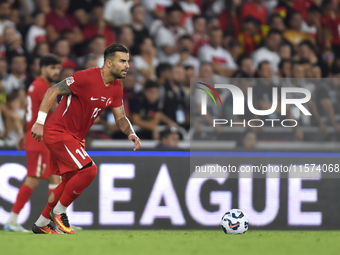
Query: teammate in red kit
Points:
[86, 94]
[38, 156]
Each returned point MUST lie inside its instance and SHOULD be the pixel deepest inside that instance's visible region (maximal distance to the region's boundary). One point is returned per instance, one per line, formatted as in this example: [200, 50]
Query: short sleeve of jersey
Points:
[117, 100]
[76, 82]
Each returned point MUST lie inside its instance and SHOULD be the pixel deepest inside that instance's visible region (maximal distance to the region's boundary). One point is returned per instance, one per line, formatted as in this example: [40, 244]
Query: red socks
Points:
[76, 185]
[24, 194]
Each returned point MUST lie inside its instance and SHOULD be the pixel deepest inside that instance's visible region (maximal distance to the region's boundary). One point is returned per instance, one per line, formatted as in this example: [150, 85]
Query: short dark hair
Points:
[252, 20]
[162, 67]
[36, 13]
[272, 17]
[132, 9]
[113, 48]
[165, 133]
[150, 84]
[262, 63]
[172, 8]
[240, 74]
[299, 63]
[309, 44]
[49, 59]
[314, 9]
[283, 62]
[196, 17]
[273, 32]
[185, 37]
[16, 56]
[242, 58]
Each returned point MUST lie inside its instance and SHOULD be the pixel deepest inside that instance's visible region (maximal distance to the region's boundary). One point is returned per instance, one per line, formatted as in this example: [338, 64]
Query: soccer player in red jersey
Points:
[38, 156]
[85, 95]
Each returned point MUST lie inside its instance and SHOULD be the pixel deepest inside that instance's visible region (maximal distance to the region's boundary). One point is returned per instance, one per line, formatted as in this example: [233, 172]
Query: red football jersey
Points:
[35, 95]
[76, 113]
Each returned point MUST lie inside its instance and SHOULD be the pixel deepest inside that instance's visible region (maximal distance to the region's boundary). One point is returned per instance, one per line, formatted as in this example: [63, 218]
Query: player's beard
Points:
[118, 73]
[51, 79]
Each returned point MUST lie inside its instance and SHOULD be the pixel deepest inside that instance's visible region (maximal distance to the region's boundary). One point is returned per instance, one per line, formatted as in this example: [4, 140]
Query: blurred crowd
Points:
[170, 42]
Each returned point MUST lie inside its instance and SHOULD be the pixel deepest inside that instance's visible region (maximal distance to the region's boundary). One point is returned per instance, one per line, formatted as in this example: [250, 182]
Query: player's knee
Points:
[90, 172]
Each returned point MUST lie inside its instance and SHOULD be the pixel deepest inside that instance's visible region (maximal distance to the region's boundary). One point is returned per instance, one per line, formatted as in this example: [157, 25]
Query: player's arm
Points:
[125, 126]
[51, 94]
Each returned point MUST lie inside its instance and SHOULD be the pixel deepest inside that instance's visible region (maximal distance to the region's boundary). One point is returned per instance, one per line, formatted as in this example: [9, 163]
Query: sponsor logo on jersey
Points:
[69, 80]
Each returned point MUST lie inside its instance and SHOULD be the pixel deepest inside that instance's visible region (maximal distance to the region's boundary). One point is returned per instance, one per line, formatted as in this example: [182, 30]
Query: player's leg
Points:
[73, 188]
[35, 168]
[23, 196]
[53, 182]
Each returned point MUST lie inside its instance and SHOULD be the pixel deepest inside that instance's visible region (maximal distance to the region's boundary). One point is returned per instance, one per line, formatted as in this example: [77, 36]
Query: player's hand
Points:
[37, 131]
[134, 138]
[21, 142]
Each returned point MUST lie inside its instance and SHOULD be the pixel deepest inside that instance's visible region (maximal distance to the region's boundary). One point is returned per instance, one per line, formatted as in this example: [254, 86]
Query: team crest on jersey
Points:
[69, 80]
[31, 88]
[108, 102]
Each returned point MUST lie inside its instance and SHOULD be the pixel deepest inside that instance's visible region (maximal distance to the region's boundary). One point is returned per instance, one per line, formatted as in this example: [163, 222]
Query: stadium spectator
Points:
[14, 117]
[306, 51]
[156, 9]
[36, 33]
[190, 9]
[246, 65]
[167, 36]
[97, 47]
[62, 49]
[66, 72]
[163, 73]
[145, 112]
[294, 34]
[184, 56]
[169, 139]
[248, 140]
[81, 10]
[42, 5]
[220, 58]
[97, 26]
[33, 70]
[256, 9]
[263, 90]
[4, 15]
[125, 36]
[172, 97]
[117, 12]
[276, 22]
[285, 51]
[90, 62]
[199, 36]
[312, 25]
[145, 63]
[298, 74]
[12, 43]
[285, 9]
[269, 51]
[285, 68]
[41, 49]
[242, 81]
[61, 24]
[234, 48]
[15, 80]
[229, 17]
[138, 27]
[3, 68]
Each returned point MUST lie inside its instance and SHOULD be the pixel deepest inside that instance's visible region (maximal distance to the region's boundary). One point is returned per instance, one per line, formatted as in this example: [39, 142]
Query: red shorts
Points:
[38, 164]
[67, 154]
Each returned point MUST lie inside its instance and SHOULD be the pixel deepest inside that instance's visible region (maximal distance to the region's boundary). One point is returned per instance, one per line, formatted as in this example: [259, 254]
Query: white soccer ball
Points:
[234, 221]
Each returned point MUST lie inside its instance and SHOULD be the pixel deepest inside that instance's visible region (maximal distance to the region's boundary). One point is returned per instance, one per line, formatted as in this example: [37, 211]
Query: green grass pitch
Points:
[184, 242]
